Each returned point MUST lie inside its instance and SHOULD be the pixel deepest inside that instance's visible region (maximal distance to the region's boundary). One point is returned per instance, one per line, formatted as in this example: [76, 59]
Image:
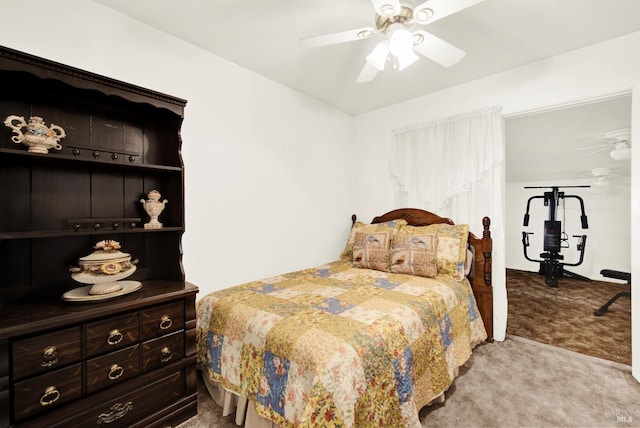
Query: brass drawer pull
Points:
[165, 322]
[115, 372]
[118, 410]
[50, 356]
[50, 396]
[165, 355]
[115, 337]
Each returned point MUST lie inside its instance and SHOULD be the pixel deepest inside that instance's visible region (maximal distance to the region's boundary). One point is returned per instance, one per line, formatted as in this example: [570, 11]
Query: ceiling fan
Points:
[601, 176]
[619, 141]
[395, 21]
[604, 177]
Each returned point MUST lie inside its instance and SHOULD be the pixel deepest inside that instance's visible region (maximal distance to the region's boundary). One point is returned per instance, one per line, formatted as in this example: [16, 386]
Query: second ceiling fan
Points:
[401, 43]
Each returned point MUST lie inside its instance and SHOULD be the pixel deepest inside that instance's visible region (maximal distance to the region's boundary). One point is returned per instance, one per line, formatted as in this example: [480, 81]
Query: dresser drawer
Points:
[163, 319]
[47, 391]
[113, 333]
[130, 407]
[46, 352]
[163, 350]
[112, 368]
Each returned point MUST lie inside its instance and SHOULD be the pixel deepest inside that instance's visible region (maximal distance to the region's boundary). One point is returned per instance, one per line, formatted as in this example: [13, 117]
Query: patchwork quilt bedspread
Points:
[338, 346]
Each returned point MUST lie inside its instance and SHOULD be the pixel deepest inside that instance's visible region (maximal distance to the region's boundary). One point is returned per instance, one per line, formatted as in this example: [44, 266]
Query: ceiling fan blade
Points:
[436, 49]
[386, 7]
[367, 74]
[335, 38]
[597, 151]
[592, 147]
[433, 10]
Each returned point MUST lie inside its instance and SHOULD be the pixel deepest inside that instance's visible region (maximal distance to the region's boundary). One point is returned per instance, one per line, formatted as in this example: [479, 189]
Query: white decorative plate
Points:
[81, 294]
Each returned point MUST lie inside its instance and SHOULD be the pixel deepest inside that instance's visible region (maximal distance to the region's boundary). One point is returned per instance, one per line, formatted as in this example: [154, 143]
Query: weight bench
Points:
[625, 276]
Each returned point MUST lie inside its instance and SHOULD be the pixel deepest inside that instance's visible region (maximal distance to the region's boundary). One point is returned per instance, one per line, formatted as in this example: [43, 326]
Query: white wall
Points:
[608, 211]
[595, 71]
[635, 234]
[266, 168]
[249, 141]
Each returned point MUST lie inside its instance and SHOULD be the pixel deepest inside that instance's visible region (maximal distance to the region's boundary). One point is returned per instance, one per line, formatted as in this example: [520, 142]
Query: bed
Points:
[366, 340]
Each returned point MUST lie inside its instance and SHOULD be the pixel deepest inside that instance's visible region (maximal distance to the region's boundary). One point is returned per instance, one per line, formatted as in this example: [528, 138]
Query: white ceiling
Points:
[263, 36]
[552, 145]
[497, 35]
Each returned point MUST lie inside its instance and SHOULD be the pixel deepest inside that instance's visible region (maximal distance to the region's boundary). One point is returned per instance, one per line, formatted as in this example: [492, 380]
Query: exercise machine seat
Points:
[616, 274]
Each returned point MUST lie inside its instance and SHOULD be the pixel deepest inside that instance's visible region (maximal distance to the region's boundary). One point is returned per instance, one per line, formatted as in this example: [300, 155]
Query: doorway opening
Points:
[571, 146]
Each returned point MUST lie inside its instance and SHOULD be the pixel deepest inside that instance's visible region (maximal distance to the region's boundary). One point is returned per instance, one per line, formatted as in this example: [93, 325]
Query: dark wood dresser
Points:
[121, 361]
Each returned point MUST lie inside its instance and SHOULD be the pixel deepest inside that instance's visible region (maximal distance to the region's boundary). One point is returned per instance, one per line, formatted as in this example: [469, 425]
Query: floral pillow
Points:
[452, 249]
[451, 246]
[358, 226]
[371, 250]
[414, 254]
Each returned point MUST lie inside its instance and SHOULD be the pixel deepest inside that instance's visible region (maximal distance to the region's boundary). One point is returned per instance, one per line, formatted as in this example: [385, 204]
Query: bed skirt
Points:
[244, 410]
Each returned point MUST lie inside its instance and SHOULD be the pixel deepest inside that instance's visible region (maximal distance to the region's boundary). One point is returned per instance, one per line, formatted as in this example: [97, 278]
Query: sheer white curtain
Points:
[454, 167]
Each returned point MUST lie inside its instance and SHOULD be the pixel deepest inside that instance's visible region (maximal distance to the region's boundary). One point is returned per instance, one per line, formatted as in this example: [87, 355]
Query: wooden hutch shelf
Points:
[127, 360]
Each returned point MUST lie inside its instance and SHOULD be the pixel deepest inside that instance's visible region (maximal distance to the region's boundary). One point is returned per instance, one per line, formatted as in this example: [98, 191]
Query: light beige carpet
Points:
[517, 383]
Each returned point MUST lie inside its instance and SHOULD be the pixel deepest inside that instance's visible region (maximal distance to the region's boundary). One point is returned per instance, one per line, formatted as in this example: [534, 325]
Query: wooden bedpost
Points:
[487, 247]
[481, 282]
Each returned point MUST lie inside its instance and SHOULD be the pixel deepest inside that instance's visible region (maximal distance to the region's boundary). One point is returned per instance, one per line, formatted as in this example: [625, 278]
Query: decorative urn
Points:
[153, 207]
[37, 136]
[104, 268]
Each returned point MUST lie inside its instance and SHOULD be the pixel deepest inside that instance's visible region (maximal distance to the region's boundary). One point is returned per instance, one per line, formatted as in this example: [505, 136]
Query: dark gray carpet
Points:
[517, 383]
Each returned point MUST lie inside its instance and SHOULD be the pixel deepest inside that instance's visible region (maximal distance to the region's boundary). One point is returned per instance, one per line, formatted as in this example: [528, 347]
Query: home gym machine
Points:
[554, 239]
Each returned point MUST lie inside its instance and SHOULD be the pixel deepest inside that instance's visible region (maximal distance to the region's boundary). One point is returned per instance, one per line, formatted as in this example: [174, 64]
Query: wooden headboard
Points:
[481, 280]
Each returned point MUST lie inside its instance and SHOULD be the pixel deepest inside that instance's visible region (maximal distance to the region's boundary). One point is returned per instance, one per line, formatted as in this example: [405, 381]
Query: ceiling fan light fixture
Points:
[401, 46]
[400, 40]
[621, 140]
[405, 59]
[621, 152]
[378, 57]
